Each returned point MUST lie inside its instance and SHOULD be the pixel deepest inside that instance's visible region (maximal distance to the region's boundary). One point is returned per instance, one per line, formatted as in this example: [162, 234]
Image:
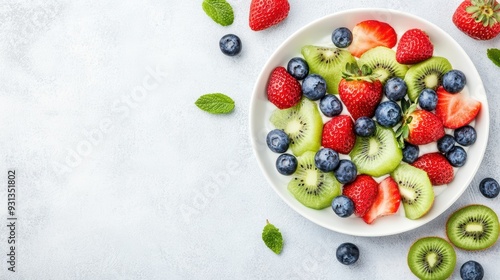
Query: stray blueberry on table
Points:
[343, 206]
[314, 87]
[465, 135]
[489, 187]
[330, 105]
[342, 37]
[454, 81]
[445, 143]
[326, 159]
[347, 253]
[427, 99]
[346, 171]
[388, 113]
[286, 164]
[278, 141]
[395, 89]
[230, 44]
[471, 270]
[410, 153]
[364, 126]
[456, 156]
[298, 68]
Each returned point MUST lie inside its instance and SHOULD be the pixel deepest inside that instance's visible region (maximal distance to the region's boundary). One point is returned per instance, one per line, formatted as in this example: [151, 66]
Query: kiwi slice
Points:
[327, 62]
[473, 227]
[416, 190]
[312, 187]
[383, 63]
[302, 123]
[426, 74]
[432, 258]
[378, 154]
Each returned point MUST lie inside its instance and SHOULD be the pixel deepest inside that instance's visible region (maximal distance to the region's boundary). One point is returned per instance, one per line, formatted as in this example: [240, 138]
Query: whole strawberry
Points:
[363, 192]
[419, 126]
[266, 13]
[437, 167]
[387, 201]
[479, 19]
[360, 91]
[338, 134]
[414, 47]
[283, 90]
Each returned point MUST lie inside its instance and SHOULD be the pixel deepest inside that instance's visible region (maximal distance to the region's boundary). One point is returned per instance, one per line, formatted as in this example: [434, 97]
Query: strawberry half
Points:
[456, 110]
[479, 19]
[283, 90]
[363, 192]
[387, 201]
[338, 134]
[437, 167]
[422, 127]
[414, 47]
[266, 13]
[369, 34]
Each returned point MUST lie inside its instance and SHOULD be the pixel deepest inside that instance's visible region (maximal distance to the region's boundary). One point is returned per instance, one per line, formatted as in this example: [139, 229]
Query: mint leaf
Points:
[219, 10]
[215, 103]
[494, 55]
[272, 238]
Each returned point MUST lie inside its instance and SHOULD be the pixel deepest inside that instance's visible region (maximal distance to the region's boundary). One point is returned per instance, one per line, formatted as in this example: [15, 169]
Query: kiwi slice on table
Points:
[432, 258]
[378, 154]
[310, 186]
[426, 74]
[383, 63]
[302, 123]
[327, 62]
[416, 190]
[473, 227]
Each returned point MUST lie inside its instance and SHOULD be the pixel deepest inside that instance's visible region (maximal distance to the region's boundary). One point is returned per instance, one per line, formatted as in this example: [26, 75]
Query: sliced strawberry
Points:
[338, 134]
[424, 127]
[437, 167]
[283, 90]
[369, 34]
[363, 192]
[387, 201]
[414, 47]
[456, 110]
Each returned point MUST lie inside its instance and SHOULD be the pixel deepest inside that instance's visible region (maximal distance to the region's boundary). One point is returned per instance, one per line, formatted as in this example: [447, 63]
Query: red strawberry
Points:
[414, 47]
[479, 19]
[423, 127]
[338, 134]
[283, 90]
[369, 34]
[387, 201]
[360, 92]
[363, 192]
[266, 13]
[437, 167]
[456, 110]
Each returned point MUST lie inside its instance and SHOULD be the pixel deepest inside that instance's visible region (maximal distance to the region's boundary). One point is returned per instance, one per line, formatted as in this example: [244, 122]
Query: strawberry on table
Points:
[363, 192]
[387, 201]
[455, 109]
[479, 19]
[414, 47]
[437, 167]
[338, 134]
[369, 34]
[283, 90]
[266, 13]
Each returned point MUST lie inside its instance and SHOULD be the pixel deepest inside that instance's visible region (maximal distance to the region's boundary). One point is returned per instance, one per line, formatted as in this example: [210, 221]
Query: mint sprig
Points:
[272, 238]
[219, 10]
[215, 103]
[494, 55]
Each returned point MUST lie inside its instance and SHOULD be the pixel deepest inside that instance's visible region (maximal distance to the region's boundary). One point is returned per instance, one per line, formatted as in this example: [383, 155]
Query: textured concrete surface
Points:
[120, 176]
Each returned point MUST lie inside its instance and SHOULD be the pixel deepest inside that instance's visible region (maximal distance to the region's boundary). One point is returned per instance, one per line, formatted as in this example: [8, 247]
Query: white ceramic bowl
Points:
[319, 33]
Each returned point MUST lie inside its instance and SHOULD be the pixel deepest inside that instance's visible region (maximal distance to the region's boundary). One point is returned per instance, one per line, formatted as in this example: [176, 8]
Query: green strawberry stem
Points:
[403, 130]
[485, 11]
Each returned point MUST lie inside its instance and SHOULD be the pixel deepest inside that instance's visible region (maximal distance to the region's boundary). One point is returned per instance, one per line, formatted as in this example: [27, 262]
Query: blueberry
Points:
[388, 113]
[326, 159]
[445, 143]
[347, 253]
[395, 89]
[278, 141]
[330, 105]
[298, 68]
[343, 206]
[364, 126]
[465, 135]
[428, 99]
[346, 171]
[489, 187]
[286, 164]
[342, 37]
[471, 270]
[454, 81]
[314, 87]
[230, 44]
[456, 156]
[410, 153]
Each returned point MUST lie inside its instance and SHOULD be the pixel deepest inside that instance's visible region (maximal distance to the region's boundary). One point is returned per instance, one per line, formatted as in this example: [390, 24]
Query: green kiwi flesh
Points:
[473, 227]
[426, 74]
[416, 190]
[312, 187]
[383, 63]
[327, 62]
[432, 258]
[302, 123]
[377, 155]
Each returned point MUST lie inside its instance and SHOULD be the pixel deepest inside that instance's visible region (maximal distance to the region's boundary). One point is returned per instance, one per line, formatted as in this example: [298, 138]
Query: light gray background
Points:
[120, 176]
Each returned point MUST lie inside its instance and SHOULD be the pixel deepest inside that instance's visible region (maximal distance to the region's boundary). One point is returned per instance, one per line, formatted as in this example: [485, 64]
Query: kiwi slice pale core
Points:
[310, 186]
[416, 190]
[473, 227]
[378, 154]
[432, 258]
[426, 74]
[383, 63]
[328, 63]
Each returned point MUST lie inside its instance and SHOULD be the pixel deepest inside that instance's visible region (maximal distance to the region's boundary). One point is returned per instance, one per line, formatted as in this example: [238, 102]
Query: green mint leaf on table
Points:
[215, 103]
[494, 55]
[219, 10]
[272, 238]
